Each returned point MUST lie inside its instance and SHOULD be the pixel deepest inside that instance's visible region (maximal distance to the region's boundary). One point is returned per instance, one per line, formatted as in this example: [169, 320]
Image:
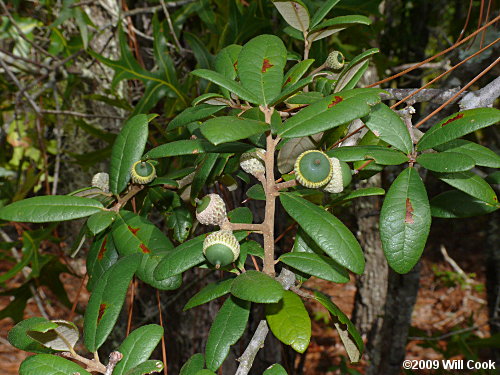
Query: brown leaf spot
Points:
[144, 248]
[288, 80]
[133, 230]
[336, 100]
[459, 116]
[235, 65]
[102, 250]
[266, 65]
[409, 212]
[102, 310]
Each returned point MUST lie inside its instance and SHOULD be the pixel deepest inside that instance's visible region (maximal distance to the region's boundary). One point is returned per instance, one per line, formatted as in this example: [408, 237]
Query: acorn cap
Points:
[335, 60]
[313, 169]
[341, 177]
[252, 162]
[221, 248]
[101, 181]
[211, 210]
[142, 172]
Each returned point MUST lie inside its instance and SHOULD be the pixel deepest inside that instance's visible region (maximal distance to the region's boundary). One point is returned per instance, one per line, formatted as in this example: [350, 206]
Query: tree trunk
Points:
[493, 278]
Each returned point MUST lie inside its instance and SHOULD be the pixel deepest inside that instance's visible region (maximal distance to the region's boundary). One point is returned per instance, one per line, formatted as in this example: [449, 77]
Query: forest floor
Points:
[443, 305]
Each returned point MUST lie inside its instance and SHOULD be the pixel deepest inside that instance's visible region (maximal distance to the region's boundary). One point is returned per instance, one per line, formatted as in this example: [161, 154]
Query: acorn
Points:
[101, 181]
[142, 172]
[335, 60]
[313, 169]
[341, 177]
[211, 210]
[253, 162]
[221, 248]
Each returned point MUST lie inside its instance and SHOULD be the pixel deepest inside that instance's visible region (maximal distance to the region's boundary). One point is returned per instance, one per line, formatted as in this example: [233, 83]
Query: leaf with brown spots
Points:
[102, 255]
[106, 301]
[405, 220]
[336, 100]
[266, 65]
[457, 117]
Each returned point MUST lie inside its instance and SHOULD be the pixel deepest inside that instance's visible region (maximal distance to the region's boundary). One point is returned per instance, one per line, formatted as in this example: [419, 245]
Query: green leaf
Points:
[350, 71]
[194, 146]
[134, 234]
[226, 64]
[380, 154]
[47, 364]
[227, 328]
[145, 368]
[289, 321]
[457, 125]
[59, 335]
[102, 255]
[389, 127]
[323, 11]
[275, 369]
[137, 347]
[348, 333]
[211, 99]
[181, 222]
[205, 372]
[50, 208]
[100, 221]
[260, 67]
[256, 192]
[145, 272]
[330, 112]
[291, 89]
[194, 364]
[456, 204]
[334, 25]
[316, 265]
[228, 84]
[203, 171]
[127, 149]
[328, 232]
[472, 184]
[296, 72]
[106, 301]
[191, 114]
[257, 287]
[209, 293]
[231, 128]
[184, 257]
[446, 162]
[19, 339]
[482, 156]
[405, 220]
[365, 192]
[294, 12]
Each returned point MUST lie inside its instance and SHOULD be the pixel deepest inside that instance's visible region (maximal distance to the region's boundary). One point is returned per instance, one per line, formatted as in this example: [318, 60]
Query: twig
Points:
[114, 358]
[58, 130]
[491, 66]
[163, 348]
[484, 97]
[154, 9]
[80, 114]
[455, 266]
[171, 26]
[286, 185]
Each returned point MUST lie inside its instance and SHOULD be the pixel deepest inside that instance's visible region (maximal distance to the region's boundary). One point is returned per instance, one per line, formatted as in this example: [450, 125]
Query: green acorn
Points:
[341, 177]
[313, 169]
[142, 172]
[221, 248]
[253, 163]
[211, 210]
[335, 60]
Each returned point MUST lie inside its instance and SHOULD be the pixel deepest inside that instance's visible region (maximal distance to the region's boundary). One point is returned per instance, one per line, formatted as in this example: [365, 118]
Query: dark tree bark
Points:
[493, 278]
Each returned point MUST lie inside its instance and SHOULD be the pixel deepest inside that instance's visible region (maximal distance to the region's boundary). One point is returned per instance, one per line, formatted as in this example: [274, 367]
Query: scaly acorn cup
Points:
[221, 248]
[142, 172]
[253, 163]
[211, 210]
[101, 181]
[341, 177]
[313, 169]
[335, 60]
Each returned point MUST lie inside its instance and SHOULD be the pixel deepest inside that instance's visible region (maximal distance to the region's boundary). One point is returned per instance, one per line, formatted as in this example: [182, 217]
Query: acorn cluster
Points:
[314, 169]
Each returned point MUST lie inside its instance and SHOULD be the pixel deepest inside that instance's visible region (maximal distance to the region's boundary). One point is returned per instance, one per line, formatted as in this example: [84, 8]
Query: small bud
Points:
[341, 177]
[221, 248]
[313, 169]
[335, 60]
[211, 210]
[101, 181]
[253, 162]
[142, 172]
